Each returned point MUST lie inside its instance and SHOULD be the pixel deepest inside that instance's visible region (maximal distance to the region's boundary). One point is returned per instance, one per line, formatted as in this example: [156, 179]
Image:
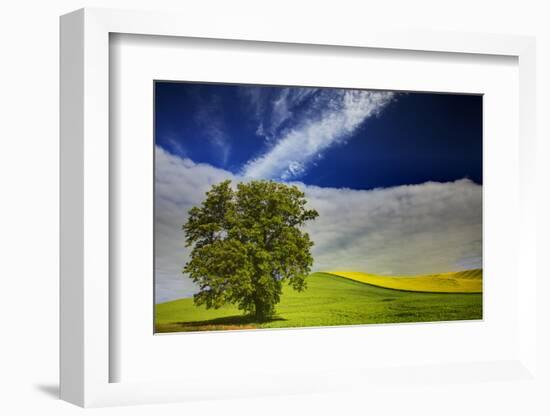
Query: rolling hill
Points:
[332, 300]
[468, 281]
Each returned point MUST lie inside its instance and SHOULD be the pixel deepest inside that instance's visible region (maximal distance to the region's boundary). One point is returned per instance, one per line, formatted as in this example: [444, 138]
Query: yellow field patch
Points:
[469, 281]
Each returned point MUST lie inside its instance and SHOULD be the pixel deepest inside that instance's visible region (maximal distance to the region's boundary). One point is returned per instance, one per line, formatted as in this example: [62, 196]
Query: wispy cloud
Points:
[304, 123]
[275, 109]
[425, 228]
[209, 118]
[176, 146]
[285, 108]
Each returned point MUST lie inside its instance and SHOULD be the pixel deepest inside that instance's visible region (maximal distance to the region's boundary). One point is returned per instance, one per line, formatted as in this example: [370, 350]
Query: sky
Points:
[395, 176]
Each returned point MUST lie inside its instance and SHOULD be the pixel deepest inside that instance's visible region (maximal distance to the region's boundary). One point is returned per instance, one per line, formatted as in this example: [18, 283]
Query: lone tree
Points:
[246, 243]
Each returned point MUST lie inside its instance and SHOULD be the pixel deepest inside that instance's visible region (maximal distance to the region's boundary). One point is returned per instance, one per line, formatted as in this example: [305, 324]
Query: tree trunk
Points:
[259, 310]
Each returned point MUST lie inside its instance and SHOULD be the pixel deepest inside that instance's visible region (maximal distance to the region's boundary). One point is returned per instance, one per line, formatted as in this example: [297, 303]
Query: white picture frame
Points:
[85, 208]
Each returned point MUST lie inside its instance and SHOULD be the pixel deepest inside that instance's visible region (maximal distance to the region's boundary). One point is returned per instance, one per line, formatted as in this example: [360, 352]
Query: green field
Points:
[329, 300]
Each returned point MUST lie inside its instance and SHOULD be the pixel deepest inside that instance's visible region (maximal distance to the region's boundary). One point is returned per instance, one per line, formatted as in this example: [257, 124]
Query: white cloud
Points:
[179, 185]
[274, 109]
[431, 227]
[285, 106]
[330, 118]
[426, 228]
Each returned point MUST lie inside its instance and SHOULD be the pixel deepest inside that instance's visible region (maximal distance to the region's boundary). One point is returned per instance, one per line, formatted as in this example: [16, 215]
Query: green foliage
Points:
[248, 242]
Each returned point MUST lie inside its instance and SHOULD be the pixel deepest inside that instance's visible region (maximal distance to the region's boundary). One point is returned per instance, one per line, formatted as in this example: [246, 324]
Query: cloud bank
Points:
[305, 122]
[426, 228]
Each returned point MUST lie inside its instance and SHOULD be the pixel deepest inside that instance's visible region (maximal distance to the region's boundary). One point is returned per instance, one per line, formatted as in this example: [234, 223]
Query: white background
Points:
[29, 209]
[139, 60]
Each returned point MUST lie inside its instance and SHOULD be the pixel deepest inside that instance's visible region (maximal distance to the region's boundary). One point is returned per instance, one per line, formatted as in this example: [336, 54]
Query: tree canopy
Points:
[246, 243]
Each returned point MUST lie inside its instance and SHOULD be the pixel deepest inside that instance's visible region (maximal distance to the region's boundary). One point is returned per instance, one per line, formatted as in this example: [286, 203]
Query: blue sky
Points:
[408, 138]
[395, 177]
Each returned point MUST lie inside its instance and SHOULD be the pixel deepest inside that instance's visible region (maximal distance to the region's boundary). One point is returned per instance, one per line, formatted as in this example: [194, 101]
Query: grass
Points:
[329, 300]
[468, 281]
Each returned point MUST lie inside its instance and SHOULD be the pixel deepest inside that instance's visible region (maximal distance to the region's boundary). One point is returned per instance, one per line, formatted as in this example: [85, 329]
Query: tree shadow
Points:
[234, 320]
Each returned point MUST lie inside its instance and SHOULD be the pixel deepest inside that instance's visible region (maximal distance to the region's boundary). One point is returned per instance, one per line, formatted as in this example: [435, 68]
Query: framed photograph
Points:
[237, 208]
[289, 207]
